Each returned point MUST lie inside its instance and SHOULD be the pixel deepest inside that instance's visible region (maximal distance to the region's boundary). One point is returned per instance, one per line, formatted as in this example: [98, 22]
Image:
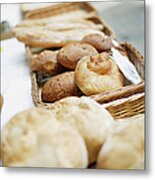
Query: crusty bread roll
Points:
[60, 86]
[35, 139]
[97, 74]
[70, 54]
[124, 148]
[46, 63]
[101, 43]
[91, 119]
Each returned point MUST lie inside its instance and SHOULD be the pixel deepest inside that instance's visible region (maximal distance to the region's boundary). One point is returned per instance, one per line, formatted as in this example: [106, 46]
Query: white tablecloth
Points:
[15, 80]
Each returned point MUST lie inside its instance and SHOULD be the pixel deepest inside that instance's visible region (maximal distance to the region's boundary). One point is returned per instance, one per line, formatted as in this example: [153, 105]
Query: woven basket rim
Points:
[122, 100]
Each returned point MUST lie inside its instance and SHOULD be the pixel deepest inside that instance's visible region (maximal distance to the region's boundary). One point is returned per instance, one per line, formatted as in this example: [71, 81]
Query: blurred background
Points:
[126, 18]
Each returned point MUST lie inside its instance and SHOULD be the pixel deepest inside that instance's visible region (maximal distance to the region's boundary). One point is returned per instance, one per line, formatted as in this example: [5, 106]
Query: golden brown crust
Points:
[100, 64]
[60, 86]
[70, 54]
[99, 42]
[97, 74]
[46, 63]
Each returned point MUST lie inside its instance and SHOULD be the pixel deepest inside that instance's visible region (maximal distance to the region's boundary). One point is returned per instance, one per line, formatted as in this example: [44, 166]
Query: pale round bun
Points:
[91, 119]
[97, 74]
[124, 148]
[35, 139]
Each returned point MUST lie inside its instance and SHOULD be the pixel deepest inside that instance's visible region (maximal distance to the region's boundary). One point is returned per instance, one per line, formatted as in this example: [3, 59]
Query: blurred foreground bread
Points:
[97, 74]
[35, 139]
[124, 148]
[74, 134]
[70, 135]
[93, 122]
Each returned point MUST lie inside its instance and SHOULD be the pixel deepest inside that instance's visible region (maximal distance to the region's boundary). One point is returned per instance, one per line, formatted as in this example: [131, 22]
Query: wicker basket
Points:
[29, 7]
[125, 92]
[126, 107]
[131, 105]
[61, 9]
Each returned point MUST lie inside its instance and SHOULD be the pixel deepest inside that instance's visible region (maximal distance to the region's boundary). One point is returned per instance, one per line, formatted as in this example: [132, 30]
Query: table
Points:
[15, 80]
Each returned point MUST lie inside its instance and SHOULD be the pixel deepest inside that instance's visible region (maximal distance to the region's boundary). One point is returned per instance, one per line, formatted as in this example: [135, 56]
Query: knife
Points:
[125, 66]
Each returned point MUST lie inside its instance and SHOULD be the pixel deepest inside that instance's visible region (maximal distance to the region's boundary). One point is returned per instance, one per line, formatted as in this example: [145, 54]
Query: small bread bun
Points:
[70, 54]
[60, 86]
[124, 148]
[97, 74]
[46, 63]
[34, 138]
[101, 43]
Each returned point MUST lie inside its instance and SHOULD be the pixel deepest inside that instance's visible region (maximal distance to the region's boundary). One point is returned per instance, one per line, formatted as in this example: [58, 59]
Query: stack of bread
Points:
[76, 133]
[72, 56]
[80, 67]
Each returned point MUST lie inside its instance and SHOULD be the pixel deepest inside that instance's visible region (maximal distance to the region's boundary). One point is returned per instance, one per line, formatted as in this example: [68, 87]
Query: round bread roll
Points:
[124, 148]
[60, 86]
[97, 74]
[89, 117]
[34, 139]
[70, 54]
[101, 43]
[46, 63]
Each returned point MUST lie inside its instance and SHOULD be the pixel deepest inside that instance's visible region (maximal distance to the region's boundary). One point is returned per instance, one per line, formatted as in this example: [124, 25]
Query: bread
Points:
[124, 148]
[98, 74]
[34, 139]
[70, 54]
[60, 86]
[45, 37]
[46, 63]
[65, 15]
[60, 25]
[1, 101]
[139, 165]
[101, 43]
[86, 115]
